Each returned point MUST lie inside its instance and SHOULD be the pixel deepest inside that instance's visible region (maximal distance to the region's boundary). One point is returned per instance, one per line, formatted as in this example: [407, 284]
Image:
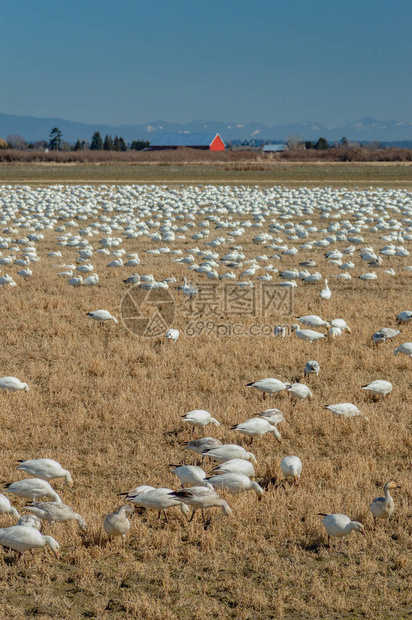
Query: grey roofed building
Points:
[210, 141]
[274, 148]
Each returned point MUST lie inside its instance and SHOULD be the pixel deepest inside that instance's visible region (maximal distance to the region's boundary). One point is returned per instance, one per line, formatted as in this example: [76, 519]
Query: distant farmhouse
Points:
[204, 141]
[274, 148]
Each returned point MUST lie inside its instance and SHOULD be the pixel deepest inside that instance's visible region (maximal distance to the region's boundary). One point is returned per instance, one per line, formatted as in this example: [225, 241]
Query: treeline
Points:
[110, 144]
[56, 143]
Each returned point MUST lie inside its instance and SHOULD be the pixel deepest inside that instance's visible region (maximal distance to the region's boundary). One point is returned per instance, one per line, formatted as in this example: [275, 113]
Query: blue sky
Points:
[266, 61]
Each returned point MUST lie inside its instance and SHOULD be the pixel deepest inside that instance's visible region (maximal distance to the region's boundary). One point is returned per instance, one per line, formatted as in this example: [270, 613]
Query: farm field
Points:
[267, 172]
[107, 403]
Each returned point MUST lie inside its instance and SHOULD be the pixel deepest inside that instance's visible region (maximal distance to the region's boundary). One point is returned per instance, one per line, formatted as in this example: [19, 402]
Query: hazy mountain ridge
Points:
[368, 129]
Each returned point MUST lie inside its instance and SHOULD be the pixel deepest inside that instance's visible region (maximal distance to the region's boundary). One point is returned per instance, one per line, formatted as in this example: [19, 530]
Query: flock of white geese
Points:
[95, 221]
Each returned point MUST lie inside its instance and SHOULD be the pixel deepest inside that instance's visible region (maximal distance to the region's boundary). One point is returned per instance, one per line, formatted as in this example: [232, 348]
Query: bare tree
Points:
[16, 142]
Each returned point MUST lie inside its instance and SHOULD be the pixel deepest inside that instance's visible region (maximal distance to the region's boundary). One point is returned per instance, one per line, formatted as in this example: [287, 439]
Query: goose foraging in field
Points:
[158, 499]
[23, 538]
[307, 334]
[32, 488]
[199, 417]
[191, 474]
[202, 444]
[299, 391]
[312, 320]
[256, 427]
[236, 483]
[339, 526]
[201, 497]
[46, 469]
[56, 512]
[236, 466]
[29, 521]
[172, 334]
[404, 317]
[117, 523]
[311, 368]
[383, 507]
[291, 467]
[268, 386]
[347, 410]
[229, 451]
[384, 334]
[274, 416]
[7, 508]
[341, 323]
[102, 316]
[378, 388]
[405, 348]
[11, 384]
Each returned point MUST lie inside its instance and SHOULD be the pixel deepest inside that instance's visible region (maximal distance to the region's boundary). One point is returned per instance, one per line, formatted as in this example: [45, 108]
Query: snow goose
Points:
[158, 499]
[256, 427]
[383, 507]
[187, 289]
[307, 334]
[268, 386]
[311, 368]
[102, 316]
[76, 281]
[291, 467]
[23, 538]
[280, 331]
[404, 317]
[339, 526]
[11, 384]
[325, 293]
[347, 410]
[172, 334]
[117, 523]
[378, 388]
[384, 334]
[7, 508]
[274, 416]
[56, 512]
[299, 391]
[202, 444]
[92, 280]
[200, 497]
[341, 323]
[32, 488]
[368, 276]
[191, 474]
[312, 320]
[405, 348]
[46, 469]
[30, 521]
[334, 332]
[236, 466]
[228, 452]
[236, 483]
[199, 417]
[25, 273]
[133, 279]
[131, 495]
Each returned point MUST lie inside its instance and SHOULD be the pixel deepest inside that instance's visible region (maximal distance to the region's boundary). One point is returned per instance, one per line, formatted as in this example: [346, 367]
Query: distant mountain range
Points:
[366, 129]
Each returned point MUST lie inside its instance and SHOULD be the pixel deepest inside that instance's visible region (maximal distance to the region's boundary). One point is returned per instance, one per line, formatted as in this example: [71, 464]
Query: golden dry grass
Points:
[211, 170]
[107, 405]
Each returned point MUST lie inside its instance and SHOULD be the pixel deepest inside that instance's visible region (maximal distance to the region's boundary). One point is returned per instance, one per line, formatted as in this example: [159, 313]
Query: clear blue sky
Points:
[268, 61]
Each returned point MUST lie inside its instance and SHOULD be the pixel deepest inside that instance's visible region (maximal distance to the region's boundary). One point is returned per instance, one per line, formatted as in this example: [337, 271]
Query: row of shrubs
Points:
[188, 155]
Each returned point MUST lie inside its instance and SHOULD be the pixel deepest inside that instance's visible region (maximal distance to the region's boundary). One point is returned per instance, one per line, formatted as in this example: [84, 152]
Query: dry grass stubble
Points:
[107, 405]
